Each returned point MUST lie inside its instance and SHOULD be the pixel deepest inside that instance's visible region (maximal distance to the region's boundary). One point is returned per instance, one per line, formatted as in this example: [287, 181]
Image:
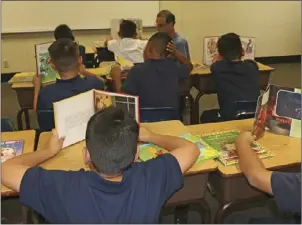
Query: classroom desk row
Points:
[227, 184]
[200, 78]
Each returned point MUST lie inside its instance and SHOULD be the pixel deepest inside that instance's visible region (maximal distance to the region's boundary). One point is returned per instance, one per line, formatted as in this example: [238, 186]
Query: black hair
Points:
[159, 42]
[170, 17]
[64, 54]
[229, 46]
[63, 31]
[111, 140]
[127, 29]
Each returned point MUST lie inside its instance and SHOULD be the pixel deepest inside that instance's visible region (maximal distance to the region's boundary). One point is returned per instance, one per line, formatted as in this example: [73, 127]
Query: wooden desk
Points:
[71, 158]
[202, 80]
[29, 142]
[227, 180]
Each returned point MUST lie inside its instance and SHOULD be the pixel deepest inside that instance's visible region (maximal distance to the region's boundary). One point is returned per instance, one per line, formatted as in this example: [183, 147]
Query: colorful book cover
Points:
[44, 68]
[210, 48]
[150, 151]
[10, 149]
[278, 111]
[224, 142]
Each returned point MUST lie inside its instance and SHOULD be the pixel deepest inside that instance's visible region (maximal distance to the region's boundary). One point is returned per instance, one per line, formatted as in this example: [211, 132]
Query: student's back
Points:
[235, 80]
[65, 59]
[156, 82]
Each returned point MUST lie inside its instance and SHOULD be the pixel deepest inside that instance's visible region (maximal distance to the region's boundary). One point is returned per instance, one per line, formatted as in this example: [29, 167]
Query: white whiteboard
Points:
[34, 16]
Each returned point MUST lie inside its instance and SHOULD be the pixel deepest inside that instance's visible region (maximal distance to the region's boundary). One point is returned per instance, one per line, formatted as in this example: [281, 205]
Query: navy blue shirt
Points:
[156, 82]
[65, 89]
[235, 81]
[85, 197]
[286, 189]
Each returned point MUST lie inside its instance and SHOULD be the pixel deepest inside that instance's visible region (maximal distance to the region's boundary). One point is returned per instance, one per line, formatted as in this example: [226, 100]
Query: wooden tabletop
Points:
[287, 149]
[206, 70]
[71, 158]
[29, 141]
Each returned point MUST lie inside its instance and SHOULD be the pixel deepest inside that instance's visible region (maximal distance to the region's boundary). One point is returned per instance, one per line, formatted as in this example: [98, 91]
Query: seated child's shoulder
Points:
[251, 63]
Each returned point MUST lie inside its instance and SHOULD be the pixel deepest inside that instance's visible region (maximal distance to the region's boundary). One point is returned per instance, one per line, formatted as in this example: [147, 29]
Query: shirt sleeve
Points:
[42, 190]
[112, 45]
[183, 70]
[131, 84]
[95, 83]
[187, 50]
[286, 189]
[164, 175]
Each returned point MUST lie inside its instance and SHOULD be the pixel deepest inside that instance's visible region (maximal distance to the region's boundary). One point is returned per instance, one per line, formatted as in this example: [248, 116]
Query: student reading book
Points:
[65, 59]
[235, 79]
[118, 189]
[129, 47]
[156, 81]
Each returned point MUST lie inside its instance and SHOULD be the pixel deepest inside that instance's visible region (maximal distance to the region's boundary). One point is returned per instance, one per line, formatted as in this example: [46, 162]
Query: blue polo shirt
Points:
[156, 82]
[286, 189]
[181, 45]
[235, 81]
[83, 197]
[65, 89]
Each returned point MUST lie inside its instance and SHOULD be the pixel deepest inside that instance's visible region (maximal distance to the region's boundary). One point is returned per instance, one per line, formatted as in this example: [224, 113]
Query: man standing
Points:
[165, 22]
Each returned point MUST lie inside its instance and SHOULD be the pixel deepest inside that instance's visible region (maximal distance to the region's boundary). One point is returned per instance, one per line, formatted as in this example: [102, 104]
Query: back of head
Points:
[229, 46]
[63, 31]
[111, 139]
[168, 15]
[127, 29]
[64, 54]
[159, 42]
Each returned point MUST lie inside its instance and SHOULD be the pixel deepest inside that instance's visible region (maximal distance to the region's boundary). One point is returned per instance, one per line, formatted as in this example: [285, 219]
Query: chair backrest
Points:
[158, 114]
[46, 120]
[6, 125]
[104, 55]
[82, 50]
[245, 109]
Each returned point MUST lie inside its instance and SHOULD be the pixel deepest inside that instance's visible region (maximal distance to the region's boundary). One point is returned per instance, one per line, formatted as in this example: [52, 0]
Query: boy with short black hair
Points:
[117, 189]
[235, 79]
[65, 59]
[156, 81]
[130, 47]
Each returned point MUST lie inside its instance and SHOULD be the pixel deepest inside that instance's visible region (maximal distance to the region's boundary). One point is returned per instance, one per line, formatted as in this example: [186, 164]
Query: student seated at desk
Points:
[65, 59]
[130, 47]
[235, 79]
[118, 189]
[285, 187]
[156, 81]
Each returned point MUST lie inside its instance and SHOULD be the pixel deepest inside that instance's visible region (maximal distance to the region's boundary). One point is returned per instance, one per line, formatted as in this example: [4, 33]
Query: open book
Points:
[44, 68]
[10, 149]
[210, 48]
[115, 27]
[279, 111]
[72, 115]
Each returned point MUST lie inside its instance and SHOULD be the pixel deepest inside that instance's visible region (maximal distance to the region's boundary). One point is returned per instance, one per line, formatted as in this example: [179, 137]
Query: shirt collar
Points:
[68, 80]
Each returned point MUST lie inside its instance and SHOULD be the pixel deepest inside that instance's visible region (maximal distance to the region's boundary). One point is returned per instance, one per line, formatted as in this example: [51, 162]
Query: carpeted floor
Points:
[285, 74]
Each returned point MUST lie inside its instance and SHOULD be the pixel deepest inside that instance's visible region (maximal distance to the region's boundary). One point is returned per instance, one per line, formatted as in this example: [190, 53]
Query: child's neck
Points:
[117, 178]
[68, 75]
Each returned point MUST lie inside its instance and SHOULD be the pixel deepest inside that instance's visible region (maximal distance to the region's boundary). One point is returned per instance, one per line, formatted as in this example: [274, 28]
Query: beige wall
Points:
[275, 24]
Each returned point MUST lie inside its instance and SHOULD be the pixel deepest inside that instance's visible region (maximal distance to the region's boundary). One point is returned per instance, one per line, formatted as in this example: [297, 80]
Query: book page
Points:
[72, 116]
[10, 149]
[128, 103]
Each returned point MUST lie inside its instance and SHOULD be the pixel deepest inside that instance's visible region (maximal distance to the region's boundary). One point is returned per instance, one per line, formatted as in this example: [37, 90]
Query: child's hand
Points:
[144, 134]
[82, 69]
[171, 48]
[245, 138]
[55, 143]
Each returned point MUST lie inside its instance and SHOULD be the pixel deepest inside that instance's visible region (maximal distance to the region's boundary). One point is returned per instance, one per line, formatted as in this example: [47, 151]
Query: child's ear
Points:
[86, 156]
[242, 52]
[80, 60]
[52, 65]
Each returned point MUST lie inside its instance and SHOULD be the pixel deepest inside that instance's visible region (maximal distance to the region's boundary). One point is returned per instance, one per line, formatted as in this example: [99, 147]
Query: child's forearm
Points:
[183, 59]
[86, 73]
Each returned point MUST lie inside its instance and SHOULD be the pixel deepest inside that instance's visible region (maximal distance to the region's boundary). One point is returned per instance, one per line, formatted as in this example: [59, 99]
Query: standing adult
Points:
[165, 22]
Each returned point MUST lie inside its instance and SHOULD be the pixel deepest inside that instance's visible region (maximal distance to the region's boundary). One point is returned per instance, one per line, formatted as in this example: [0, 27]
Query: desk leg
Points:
[19, 119]
[196, 108]
[27, 121]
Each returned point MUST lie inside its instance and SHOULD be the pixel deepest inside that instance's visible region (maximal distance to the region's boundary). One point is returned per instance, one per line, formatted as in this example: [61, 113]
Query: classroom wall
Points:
[275, 24]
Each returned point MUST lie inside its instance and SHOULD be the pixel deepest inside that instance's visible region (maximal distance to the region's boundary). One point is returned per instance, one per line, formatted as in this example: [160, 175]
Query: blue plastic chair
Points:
[46, 120]
[148, 115]
[6, 125]
[245, 109]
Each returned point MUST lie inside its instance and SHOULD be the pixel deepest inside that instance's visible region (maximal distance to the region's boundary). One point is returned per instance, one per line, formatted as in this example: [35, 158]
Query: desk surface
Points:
[287, 149]
[71, 158]
[29, 141]
[102, 70]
